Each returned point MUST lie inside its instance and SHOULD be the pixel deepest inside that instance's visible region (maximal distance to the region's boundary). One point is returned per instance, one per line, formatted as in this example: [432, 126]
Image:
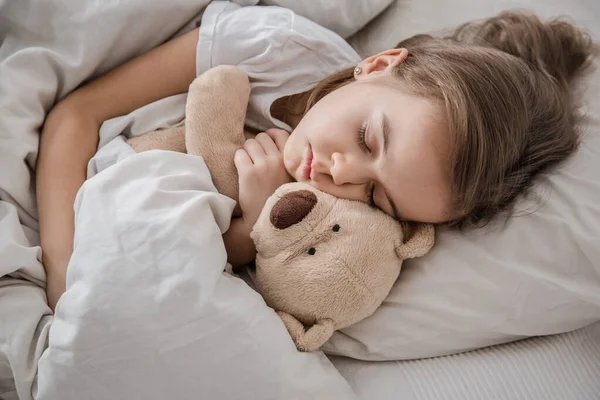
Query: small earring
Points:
[357, 70]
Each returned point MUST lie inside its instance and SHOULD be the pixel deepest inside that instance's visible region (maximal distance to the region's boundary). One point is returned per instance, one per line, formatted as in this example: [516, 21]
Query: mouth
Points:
[306, 165]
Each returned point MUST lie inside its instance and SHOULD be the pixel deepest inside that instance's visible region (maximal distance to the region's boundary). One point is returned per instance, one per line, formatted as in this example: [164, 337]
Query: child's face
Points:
[407, 168]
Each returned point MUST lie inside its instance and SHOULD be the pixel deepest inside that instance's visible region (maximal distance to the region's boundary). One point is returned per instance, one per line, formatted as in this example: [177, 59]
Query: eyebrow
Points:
[385, 130]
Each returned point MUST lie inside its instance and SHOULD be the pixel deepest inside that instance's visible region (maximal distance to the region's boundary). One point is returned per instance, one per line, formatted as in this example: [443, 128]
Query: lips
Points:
[306, 165]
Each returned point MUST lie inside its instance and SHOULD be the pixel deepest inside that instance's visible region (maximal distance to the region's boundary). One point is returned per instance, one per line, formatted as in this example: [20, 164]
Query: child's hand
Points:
[261, 171]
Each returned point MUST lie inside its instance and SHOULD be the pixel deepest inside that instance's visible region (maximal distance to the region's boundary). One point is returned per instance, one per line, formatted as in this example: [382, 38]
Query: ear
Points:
[418, 242]
[307, 339]
[382, 62]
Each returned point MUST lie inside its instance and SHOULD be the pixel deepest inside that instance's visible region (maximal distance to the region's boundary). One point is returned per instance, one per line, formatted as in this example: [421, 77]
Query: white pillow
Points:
[345, 17]
[538, 275]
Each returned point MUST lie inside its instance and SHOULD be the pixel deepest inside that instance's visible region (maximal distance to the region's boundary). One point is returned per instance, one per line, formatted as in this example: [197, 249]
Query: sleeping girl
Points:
[448, 130]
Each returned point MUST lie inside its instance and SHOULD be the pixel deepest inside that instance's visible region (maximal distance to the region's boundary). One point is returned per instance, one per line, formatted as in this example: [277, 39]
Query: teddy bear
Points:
[323, 263]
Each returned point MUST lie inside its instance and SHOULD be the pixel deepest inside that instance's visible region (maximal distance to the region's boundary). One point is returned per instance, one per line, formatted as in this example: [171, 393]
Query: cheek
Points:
[327, 125]
[328, 136]
[292, 152]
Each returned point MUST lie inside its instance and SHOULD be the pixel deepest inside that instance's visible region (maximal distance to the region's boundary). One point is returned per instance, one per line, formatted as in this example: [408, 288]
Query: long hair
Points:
[504, 85]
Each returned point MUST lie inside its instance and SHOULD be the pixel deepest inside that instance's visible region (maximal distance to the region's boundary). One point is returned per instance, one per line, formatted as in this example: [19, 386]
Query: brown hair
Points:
[504, 84]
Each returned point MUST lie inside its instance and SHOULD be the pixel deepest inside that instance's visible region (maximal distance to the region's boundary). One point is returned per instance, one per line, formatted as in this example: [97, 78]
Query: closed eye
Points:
[361, 138]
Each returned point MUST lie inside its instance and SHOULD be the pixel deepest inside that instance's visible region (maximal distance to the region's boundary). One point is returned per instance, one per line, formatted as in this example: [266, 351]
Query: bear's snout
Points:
[292, 208]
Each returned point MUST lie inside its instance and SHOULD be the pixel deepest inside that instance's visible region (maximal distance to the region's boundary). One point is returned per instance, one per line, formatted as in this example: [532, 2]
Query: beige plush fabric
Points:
[172, 139]
[214, 125]
[326, 262]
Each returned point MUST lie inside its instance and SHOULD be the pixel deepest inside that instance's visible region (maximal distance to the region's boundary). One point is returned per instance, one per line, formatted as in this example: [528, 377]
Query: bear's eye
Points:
[311, 251]
[335, 228]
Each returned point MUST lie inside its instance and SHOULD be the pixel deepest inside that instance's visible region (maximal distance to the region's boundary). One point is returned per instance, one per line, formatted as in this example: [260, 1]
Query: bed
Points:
[142, 321]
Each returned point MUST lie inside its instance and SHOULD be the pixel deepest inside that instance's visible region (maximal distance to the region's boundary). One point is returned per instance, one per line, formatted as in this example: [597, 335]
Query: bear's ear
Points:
[307, 339]
[418, 240]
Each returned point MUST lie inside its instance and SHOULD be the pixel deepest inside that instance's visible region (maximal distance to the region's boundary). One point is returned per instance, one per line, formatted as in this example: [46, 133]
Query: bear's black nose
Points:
[292, 208]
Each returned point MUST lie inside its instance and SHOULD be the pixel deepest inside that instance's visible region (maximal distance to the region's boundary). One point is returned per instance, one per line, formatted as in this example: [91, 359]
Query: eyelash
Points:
[362, 132]
[371, 196]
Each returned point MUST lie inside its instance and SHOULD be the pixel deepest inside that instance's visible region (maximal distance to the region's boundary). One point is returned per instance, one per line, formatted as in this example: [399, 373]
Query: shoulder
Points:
[255, 35]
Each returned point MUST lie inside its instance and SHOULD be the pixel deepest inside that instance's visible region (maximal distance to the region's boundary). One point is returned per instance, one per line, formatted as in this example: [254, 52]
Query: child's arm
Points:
[240, 247]
[70, 138]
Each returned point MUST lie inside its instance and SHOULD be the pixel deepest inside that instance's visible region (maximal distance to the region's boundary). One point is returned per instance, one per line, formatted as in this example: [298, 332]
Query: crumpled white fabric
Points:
[345, 17]
[47, 48]
[149, 312]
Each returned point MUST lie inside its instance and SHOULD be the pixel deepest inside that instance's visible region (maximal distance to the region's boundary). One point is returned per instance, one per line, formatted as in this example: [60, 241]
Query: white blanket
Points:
[149, 311]
[47, 49]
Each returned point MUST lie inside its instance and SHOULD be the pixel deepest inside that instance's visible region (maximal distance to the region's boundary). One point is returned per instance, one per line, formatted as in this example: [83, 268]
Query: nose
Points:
[344, 171]
[292, 208]
[339, 169]
[341, 177]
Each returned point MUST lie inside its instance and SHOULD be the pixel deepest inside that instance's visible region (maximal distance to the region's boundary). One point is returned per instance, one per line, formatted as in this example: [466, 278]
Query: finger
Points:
[242, 160]
[267, 144]
[254, 150]
[279, 136]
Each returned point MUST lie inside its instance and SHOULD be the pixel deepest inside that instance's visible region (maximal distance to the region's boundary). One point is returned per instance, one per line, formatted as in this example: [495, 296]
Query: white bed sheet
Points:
[559, 367]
